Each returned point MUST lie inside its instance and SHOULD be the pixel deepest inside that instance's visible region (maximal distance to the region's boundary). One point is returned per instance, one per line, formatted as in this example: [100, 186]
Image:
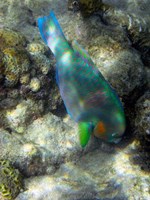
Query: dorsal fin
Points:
[81, 52]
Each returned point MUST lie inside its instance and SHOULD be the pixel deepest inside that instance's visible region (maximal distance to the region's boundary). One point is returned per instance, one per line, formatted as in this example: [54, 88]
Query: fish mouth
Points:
[115, 139]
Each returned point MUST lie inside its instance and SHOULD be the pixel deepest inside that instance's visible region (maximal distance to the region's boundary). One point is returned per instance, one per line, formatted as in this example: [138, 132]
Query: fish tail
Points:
[52, 33]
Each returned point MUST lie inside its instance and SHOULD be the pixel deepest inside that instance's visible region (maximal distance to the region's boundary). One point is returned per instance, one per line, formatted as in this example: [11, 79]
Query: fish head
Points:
[111, 129]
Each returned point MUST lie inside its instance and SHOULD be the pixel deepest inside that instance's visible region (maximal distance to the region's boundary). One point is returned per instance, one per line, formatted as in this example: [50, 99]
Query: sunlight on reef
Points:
[37, 137]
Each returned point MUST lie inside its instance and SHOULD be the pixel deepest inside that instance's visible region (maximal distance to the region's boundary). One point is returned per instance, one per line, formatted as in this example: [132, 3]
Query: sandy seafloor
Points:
[40, 154]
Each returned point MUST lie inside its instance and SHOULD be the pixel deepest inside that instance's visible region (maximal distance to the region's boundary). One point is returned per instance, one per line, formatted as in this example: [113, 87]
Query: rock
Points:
[46, 144]
[128, 14]
[22, 115]
[88, 7]
[133, 17]
[142, 121]
[8, 103]
[13, 93]
[1, 65]
[123, 69]
[98, 175]
[141, 42]
[8, 99]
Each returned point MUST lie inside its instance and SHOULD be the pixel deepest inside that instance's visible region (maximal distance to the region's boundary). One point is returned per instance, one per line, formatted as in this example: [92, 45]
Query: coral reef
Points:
[11, 181]
[10, 38]
[16, 62]
[35, 84]
[14, 58]
[42, 63]
[25, 72]
[36, 134]
[37, 48]
[24, 79]
[117, 179]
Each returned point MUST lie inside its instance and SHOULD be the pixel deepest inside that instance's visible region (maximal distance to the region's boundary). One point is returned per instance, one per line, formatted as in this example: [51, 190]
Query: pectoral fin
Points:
[85, 131]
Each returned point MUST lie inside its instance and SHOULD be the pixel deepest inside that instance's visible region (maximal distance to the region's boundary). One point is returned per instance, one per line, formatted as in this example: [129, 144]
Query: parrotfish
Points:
[89, 99]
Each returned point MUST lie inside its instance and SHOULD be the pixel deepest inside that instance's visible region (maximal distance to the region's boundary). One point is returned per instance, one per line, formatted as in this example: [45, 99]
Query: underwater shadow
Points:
[60, 112]
[142, 156]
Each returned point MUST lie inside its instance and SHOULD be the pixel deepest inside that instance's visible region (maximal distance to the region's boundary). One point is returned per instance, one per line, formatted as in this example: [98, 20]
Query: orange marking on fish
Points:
[101, 127]
[100, 130]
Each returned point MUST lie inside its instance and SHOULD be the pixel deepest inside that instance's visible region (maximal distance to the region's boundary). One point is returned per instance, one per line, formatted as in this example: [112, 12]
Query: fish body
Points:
[88, 97]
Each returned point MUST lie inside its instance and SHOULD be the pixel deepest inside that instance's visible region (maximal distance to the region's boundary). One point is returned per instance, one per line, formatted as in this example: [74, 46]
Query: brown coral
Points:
[9, 38]
[16, 62]
[14, 59]
[10, 180]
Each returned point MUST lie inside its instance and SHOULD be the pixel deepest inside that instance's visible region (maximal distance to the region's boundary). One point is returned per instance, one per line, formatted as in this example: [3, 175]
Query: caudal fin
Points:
[51, 31]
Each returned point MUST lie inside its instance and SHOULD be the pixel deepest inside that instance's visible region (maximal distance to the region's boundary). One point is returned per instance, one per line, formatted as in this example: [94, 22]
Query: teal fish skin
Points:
[88, 97]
